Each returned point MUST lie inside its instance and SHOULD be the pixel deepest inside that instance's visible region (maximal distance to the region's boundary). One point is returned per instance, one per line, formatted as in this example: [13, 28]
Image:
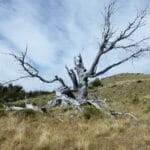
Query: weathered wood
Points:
[27, 106]
[65, 101]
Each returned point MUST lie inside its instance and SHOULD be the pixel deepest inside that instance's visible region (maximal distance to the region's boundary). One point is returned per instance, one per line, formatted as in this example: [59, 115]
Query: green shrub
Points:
[135, 100]
[12, 93]
[90, 86]
[139, 81]
[97, 82]
[90, 112]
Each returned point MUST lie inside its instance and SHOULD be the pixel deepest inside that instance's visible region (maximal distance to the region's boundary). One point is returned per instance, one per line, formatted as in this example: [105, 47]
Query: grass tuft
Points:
[3, 113]
[90, 112]
[25, 113]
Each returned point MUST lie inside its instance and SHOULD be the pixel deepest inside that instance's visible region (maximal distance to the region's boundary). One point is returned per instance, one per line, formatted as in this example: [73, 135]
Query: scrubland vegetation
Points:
[15, 92]
[65, 129]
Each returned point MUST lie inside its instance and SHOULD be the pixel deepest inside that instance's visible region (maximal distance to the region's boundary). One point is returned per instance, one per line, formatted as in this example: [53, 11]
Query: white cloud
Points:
[56, 31]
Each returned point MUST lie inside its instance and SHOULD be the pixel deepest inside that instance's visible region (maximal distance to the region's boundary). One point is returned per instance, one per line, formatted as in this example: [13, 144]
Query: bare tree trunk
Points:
[81, 71]
[82, 92]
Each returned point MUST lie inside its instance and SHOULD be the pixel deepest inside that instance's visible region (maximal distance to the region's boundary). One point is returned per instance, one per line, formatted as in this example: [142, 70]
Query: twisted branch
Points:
[107, 45]
[31, 70]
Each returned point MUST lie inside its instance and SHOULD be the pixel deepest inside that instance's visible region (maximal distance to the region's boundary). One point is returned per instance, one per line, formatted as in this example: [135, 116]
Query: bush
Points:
[97, 82]
[90, 112]
[90, 87]
[139, 81]
[11, 93]
[135, 100]
[33, 94]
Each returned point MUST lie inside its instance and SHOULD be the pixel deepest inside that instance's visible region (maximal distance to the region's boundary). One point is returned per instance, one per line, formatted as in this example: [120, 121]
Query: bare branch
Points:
[107, 29]
[78, 61]
[136, 44]
[31, 70]
[132, 45]
[73, 77]
[108, 45]
[60, 80]
[133, 26]
[14, 80]
[106, 35]
[134, 55]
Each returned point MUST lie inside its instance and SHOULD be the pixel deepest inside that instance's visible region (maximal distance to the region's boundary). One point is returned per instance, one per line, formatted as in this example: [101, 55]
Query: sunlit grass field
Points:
[61, 129]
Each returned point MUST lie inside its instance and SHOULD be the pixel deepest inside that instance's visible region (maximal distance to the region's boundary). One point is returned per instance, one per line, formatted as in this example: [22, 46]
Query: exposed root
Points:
[100, 105]
[28, 106]
[131, 115]
[65, 101]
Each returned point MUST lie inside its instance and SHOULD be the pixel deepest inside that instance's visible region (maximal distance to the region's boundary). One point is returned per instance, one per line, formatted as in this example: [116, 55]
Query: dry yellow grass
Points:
[46, 132]
[63, 130]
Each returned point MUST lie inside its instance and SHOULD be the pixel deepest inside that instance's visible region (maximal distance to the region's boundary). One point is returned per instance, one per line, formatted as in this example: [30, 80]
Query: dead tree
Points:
[110, 41]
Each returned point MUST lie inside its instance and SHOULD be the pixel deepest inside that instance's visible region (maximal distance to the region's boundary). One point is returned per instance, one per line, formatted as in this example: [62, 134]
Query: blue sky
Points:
[58, 30]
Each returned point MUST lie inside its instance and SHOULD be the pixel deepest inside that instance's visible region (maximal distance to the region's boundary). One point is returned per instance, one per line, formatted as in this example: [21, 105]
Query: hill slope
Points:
[126, 86]
[64, 129]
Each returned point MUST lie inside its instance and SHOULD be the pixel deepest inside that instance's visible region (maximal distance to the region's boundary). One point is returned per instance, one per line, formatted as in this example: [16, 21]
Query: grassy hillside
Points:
[64, 129]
